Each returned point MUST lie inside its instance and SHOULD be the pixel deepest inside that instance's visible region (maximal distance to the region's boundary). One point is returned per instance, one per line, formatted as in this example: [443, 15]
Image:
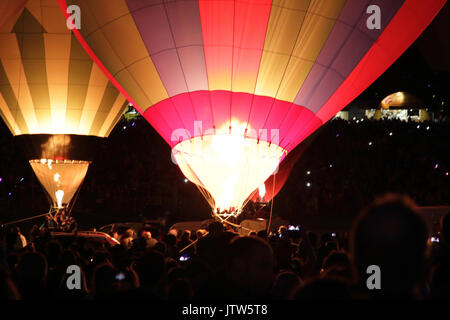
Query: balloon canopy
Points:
[50, 91]
[252, 78]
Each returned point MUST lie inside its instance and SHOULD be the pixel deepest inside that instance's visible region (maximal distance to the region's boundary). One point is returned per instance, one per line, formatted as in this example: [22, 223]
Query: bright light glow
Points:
[262, 191]
[228, 166]
[395, 99]
[62, 184]
[308, 172]
[56, 177]
[59, 194]
[308, 184]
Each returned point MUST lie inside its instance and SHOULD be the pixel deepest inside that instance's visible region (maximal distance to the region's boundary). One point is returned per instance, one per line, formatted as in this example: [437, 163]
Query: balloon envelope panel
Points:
[48, 84]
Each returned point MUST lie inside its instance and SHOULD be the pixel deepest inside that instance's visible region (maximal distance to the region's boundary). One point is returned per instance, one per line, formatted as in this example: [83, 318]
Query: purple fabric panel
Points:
[184, 17]
[154, 28]
[171, 31]
[194, 68]
[170, 72]
[347, 44]
[139, 4]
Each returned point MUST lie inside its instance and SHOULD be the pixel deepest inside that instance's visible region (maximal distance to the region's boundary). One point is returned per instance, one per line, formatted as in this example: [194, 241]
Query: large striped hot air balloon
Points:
[233, 86]
[53, 98]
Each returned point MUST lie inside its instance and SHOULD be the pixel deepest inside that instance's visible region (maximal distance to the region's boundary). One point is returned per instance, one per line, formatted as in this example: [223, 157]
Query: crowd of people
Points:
[218, 264]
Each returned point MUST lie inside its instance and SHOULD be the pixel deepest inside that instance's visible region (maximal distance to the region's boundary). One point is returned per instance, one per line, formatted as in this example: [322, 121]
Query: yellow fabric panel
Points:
[9, 118]
[297, 32]
[147, 77]
[72, 120]
[109, 121]
[326, 8]
[130, 53]
[133, 89]
[283, 28]
[123, 35]
[292, 4]
[16, 76]
[57, 53]
[96, 89]
[52, 20]
[219, 77]
[109, 12]
[316, 28]
[243, 80]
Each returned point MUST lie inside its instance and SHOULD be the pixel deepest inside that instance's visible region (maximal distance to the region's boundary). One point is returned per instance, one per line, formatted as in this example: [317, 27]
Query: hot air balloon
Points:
[57, 103]
[233, 86]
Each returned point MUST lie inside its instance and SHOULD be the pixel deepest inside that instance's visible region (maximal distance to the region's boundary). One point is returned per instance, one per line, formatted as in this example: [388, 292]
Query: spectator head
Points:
[173, 232]
[150, 269]
[215, 228]
[283, 231]
[200, 233]
[391, 235]
[8, 290]
[323, 289]
[180, 289]
[250, 263]
[337, 265]
[262, 234]
[284, 285]
[103, 279]
[170, 239]
[313, 239]
[186, 235]
[147, 235]
[31, 275]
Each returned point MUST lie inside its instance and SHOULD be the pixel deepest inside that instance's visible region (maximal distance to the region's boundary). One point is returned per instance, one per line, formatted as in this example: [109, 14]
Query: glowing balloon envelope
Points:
[55, 100]
[259, 76]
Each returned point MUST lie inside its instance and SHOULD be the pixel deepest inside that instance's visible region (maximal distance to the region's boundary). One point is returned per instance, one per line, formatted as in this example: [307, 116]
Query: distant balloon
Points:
[233, 86]
[53, 98]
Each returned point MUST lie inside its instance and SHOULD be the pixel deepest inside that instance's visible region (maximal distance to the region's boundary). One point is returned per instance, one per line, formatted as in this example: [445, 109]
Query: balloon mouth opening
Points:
[224, 215]
[228, 169]
[60, 178]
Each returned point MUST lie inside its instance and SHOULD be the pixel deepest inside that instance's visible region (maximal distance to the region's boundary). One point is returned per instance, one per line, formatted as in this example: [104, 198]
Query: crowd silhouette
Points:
[218, 264]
